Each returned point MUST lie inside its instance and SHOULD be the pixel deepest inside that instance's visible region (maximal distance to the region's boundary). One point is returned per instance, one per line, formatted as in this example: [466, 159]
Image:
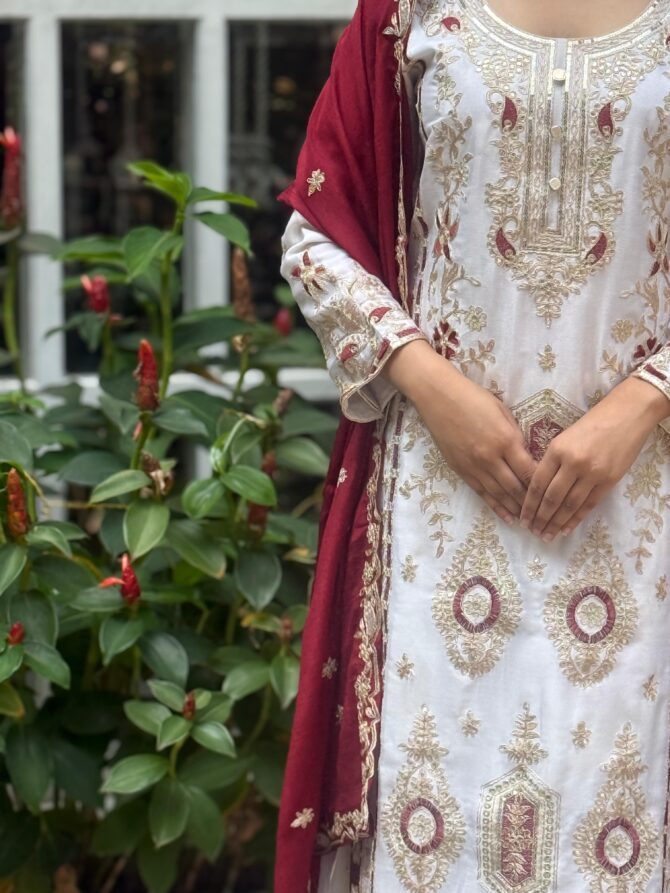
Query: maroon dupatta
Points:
[354, 184]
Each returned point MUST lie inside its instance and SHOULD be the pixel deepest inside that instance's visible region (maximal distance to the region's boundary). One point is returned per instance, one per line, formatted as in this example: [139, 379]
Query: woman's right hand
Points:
[476, 433]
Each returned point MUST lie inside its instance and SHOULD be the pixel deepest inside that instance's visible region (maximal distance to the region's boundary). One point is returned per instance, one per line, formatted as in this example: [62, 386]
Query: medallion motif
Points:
[518, 819]
[616, 844]
[421, 822]
[591, 613]
[477, 606]
[541, 417]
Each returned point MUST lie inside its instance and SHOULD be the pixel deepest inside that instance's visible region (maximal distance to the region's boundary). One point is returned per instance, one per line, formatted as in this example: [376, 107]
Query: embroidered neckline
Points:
[645, 18]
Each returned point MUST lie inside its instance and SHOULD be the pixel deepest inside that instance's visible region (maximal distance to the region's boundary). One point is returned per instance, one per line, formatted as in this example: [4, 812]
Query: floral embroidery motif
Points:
[650, 688]
[581, 735]
[409, 569]
[316, 181]
[536, 568]
[329, 668]
[541, 417]
[303, 818]
[314, 277]
[616, 844]
[477, 606]
[546, 358]
[518, 819]
[662, 589]
[643, 490]
[591, 613]
[421, 822]
[470, 724]
[339, 713]
[342, 476]
[404, 667]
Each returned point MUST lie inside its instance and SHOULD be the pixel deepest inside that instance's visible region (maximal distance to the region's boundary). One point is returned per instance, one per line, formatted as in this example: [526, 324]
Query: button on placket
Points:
[557, 90]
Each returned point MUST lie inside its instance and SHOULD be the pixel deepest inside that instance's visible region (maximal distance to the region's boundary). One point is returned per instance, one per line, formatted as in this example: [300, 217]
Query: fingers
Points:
[492, 501]
[543, 476]
[591, 501]
[553, 501]
[574, 500]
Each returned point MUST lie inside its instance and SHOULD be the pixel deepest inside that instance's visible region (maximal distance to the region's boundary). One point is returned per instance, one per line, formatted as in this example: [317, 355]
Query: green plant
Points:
[149, 622]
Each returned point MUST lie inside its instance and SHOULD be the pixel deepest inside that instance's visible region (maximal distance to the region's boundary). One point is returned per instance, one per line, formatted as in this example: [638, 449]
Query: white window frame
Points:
[208, 123]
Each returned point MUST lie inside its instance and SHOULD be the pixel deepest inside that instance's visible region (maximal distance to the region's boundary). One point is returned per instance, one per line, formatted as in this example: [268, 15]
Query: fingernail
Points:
[567, 531]
[524, 524]
[548, 537]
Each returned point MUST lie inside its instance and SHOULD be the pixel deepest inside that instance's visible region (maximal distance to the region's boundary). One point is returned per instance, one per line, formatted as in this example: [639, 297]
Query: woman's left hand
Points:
[584, 462]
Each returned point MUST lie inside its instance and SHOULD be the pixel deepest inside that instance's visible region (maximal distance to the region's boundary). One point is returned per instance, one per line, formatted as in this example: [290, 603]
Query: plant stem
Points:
[166, 324]
[9, 310]
[174, 753]
[263, 717]
[244, 365]
[141, 441]
[231, 622]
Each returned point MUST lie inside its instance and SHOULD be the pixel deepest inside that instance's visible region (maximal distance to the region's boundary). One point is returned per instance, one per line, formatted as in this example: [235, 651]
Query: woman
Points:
[485, 686]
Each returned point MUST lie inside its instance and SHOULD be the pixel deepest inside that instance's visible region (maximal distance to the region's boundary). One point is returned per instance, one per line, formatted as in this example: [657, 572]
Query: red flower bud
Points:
[130, 586]
[147, 375]
[97, 290]
[188, 710]
[17, 513]
[11, 205]
[16, 634]
[257, 517]
[283, 321]
[269, 463]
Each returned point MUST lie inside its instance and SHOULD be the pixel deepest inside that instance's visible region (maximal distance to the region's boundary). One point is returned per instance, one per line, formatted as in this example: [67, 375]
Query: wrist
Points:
[644, 400]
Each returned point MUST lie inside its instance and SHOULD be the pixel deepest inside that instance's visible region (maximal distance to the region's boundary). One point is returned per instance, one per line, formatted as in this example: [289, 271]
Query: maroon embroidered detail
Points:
[601, 846]
[605, 122]
[349, 351]
[651, 346]
[419, 806]
[658, 248]
[383, 347]
[445, 340]
[510, 114]
[596, 252]
[540, 435]
[504, 245]
[655, 372]
[451, 23]
[378, 313]
[447, 230]
[572, 614]
[461, 615]
[667, 40]
[518, 837]
[412, 330]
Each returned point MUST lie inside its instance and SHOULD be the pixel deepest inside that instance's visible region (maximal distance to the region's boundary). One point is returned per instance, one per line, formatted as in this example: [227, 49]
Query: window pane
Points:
[278, 70]
[122, 102]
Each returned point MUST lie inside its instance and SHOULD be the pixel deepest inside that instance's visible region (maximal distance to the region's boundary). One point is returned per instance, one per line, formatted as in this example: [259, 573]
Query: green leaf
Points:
[178, 420]
[200, 497]
[168, 693]
[228, 226]
[29, 763]
[303, 455]
[307, 420]
[136, 773]
[200, 328]
[212, 772]
[158, 867]
[91, 467]
[192, 543]
[69, 531]
[146, 715]
[19, 833]
[258, 576]
[251, 483]
[143, 244]
[93, 249]
[12, 561]
[47, 662]
[214, 736]
[14, 448]
[37, 613]
[217, 710]
[168, 811]
[97, 600]
[166, 656]
[227, 657]
[77, 771]
[117, 634]
[10, 660]
[10, 702]
[49, 536]
[121, 830]
[246, 678]
[268, 770]
[203, 194]
[127, 481]
[39, 243]
[172, 730]
[205, 823]
[284, 675]
[144, 526]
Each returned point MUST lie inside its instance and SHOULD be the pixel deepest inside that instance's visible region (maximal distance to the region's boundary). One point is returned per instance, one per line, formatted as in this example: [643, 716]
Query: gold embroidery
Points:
[581, 735]
[536, 568]
[470, 724]
[591, 613]
[616, 844]
[404, 667]
[329, 668]
[342, 476]
[303, 818]
[477, 606]
[546, 358]
[650, 688]
[662, 588]
[409, 569]
[316, 181]
[339, 713]
[541, 417]
[644, 486]
[518, 819]
[421, 822]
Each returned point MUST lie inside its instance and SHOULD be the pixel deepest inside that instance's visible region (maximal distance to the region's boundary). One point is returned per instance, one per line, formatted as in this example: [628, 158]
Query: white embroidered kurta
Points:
[525, 721]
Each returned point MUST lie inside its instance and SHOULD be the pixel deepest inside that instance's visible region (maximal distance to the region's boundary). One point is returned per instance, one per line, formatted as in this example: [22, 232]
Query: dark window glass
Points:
[122, 102]
[277, 72]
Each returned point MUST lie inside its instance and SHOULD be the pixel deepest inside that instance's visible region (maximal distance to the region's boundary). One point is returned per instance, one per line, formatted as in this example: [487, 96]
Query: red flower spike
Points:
[596, 252]
[17, 512]
[510, 114]
[269, 463]
[147, 375]
[11, 204]
[605, 121]
[16, 634]
[130, 587]
[504, 245]
[188, 710]
[451, 23]
[257, 517]
[283, 321]
[97, 290]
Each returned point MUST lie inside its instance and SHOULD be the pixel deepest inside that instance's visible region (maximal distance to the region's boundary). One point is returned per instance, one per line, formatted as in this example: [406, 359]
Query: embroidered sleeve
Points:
[656, 370]
[355, 317]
